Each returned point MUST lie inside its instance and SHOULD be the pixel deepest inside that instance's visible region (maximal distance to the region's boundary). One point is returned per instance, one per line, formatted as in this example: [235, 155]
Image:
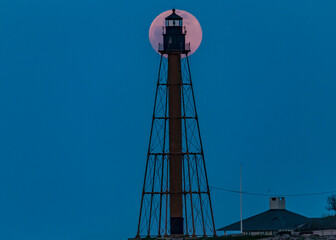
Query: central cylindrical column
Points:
[175, 144]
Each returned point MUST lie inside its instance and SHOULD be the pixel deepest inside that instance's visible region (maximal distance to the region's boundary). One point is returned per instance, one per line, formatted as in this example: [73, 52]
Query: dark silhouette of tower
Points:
[175, 198]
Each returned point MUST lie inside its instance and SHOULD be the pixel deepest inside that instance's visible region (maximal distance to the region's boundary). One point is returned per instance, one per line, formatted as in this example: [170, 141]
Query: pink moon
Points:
[194, 30]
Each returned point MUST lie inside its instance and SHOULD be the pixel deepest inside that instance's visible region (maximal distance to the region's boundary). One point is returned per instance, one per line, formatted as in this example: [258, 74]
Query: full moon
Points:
[194, 30]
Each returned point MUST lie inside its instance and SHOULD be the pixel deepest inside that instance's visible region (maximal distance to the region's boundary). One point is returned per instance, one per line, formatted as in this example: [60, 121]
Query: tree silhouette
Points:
[331, 203]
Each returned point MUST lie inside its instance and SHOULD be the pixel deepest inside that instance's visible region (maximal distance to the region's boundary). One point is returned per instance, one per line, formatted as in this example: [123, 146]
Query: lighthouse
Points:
[174, 46]
[175, 200]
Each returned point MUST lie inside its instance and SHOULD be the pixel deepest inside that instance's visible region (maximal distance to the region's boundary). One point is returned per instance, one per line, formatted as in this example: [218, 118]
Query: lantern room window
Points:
[173, 23]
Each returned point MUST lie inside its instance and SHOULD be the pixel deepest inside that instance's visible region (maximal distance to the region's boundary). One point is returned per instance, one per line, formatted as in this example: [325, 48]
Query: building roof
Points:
[319, 224]
[271, 220]
[173, 16]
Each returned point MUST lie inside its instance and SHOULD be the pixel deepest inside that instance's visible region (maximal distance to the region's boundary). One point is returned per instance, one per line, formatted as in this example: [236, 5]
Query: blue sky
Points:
[77, 82]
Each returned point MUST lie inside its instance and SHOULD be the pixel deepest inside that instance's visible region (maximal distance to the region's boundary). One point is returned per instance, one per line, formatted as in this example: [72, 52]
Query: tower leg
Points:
[175, 144]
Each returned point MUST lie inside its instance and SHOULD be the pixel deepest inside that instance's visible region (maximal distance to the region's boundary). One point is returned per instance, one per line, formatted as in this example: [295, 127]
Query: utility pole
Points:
[241, 201]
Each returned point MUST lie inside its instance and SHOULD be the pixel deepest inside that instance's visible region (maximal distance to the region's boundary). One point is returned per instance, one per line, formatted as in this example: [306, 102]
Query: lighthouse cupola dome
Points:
[174, 20]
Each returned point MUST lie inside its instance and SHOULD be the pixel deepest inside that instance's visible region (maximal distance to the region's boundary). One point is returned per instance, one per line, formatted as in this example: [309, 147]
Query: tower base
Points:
[176, 226]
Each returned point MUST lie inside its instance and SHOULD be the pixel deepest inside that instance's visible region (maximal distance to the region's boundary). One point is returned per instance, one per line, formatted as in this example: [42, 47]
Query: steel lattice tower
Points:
[176, 196]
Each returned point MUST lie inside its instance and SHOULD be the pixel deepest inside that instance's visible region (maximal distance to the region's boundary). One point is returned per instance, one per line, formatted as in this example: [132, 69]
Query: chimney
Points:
[277, 203]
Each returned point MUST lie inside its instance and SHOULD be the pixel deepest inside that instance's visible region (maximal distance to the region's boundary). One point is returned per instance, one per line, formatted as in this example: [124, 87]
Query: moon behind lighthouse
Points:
[194, 30]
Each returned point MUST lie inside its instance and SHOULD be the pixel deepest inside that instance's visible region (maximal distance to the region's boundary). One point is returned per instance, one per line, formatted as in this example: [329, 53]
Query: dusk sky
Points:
[77, 84]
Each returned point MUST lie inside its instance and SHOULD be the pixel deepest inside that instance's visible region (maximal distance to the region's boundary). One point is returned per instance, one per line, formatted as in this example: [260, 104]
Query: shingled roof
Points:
[319, 224]
[271, 220]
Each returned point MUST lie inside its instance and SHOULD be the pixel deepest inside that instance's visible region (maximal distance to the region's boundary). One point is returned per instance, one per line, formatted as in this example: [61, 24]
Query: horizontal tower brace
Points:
[175, 117]
[183, 192]
[170, 84]
[171, 153]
